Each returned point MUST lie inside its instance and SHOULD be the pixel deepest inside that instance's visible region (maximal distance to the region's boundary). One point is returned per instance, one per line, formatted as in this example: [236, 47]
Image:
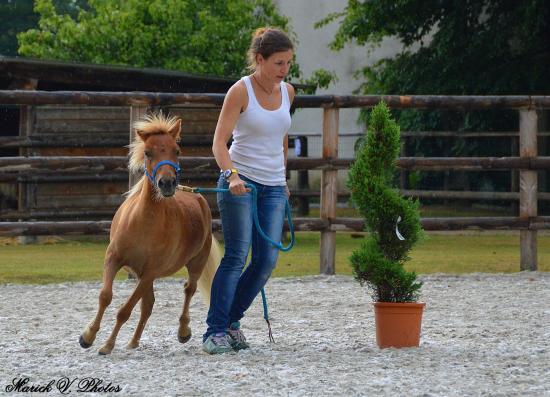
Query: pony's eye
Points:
[148, 153]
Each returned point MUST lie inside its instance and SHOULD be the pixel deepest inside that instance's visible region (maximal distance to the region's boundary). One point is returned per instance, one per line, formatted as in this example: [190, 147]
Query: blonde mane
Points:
[151, 124]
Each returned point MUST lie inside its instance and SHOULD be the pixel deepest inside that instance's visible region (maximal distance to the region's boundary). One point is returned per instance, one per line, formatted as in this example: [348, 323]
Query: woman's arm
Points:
[285, 151]
[285, 147]
[227, 121]
[235, 101]
[291, 94]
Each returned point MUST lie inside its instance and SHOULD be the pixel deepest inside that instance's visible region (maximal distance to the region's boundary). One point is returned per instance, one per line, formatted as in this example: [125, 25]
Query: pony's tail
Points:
[209, 271]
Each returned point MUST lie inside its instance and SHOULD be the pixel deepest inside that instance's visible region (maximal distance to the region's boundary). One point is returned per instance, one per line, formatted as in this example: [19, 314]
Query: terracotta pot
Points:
[398, 324]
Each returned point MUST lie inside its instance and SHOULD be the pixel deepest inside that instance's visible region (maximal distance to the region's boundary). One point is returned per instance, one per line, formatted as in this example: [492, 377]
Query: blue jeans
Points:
[233, 290]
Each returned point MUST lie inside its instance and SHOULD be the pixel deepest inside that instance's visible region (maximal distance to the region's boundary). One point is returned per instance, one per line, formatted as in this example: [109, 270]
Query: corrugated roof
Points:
[59, 75]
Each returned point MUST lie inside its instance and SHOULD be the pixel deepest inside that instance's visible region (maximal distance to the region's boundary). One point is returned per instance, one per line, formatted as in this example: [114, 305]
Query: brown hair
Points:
[267, 41]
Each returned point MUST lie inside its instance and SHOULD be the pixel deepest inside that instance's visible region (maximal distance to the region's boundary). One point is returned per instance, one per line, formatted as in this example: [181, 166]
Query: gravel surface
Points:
[482, 335]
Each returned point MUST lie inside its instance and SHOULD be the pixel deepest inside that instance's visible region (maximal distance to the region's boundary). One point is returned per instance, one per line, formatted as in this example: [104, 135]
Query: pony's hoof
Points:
[104, 351]
[83, 343]
[132, 345]
[184, 339]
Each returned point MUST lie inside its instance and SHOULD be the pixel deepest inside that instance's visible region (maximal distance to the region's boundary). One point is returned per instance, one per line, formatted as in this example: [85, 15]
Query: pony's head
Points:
[156, 149]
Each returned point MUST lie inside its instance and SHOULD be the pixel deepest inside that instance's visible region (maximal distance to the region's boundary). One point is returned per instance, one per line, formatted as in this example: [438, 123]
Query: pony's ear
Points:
[175, 131]
[142, 135]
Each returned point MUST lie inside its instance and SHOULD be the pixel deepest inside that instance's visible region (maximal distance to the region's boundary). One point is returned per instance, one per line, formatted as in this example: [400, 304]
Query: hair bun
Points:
[259, 32]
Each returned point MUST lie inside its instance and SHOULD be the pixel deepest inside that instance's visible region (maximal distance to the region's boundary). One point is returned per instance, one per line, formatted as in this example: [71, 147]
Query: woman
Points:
[256, 111]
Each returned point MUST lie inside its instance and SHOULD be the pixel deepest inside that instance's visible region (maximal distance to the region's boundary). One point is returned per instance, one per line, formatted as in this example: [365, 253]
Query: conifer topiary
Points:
[393, 222]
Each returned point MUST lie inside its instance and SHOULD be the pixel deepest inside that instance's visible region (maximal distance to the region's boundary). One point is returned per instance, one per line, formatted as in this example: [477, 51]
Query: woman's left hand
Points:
[287, 191]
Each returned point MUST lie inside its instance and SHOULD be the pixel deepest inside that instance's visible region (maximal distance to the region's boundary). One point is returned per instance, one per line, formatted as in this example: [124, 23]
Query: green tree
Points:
[393, 222]
[18, 15]
[15, 16]
[194, 36]
[453, 47]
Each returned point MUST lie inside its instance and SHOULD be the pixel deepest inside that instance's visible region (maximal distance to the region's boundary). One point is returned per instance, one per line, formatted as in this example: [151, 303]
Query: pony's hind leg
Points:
[147, 303]
[184, 332]
[125, 311]
[110, 270]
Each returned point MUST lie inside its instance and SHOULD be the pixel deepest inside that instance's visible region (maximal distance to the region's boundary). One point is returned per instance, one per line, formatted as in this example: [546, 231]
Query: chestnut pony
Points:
[156, 231]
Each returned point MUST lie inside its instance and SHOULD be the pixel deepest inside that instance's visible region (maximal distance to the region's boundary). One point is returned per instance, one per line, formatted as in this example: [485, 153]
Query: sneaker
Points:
[217, 344]
[236, 337]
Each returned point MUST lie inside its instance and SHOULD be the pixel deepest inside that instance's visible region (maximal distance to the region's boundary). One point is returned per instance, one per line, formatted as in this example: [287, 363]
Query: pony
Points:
[155, 232]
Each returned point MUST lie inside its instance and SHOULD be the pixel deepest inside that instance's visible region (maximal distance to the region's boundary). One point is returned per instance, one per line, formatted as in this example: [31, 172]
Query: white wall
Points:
[313, 52]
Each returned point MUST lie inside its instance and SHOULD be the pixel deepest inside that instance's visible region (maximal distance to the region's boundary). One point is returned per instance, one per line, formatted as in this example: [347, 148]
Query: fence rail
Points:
[8, 229]
[454, 102]
[528, 163]
[110, 163]
[108, 140]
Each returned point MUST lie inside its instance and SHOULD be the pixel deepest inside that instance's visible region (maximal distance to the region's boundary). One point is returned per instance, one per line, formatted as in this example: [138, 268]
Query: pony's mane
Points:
[151, 124]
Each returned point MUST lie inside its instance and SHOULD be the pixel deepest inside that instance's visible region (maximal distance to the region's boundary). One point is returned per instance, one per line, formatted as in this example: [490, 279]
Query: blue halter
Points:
[153, 177]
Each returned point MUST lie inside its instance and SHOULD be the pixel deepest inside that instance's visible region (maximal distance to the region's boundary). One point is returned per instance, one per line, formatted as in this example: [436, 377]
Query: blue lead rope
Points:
[288, 214]
[152, 177]
[277, 245]
[266, 316]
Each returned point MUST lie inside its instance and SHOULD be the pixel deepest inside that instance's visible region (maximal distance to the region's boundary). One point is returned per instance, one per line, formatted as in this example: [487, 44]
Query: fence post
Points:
[136, 112]
[528, 188]
[514, 174]
[329, 190]
[404, 174]
[26, 199]
[303, 178]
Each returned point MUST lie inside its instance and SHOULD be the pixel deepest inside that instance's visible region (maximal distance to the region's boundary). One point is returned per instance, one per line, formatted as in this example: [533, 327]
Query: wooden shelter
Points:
[81, 130]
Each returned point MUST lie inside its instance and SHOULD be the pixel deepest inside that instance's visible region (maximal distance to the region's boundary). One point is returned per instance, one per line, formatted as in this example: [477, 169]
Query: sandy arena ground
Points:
[483, 335]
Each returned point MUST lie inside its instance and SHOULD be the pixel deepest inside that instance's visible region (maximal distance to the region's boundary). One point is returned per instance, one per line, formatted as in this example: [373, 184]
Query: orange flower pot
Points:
[398, 324]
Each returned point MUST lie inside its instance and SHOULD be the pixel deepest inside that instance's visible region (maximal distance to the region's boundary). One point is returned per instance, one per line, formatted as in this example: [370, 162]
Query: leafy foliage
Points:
[15, 16]
[387, 279]
[474, 47]
[18, 15]
[320, 78]
[379, 261]
[194, 36]
[453, 47]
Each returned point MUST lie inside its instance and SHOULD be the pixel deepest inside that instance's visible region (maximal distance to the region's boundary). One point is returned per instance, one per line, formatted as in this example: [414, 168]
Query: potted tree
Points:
[393, 223]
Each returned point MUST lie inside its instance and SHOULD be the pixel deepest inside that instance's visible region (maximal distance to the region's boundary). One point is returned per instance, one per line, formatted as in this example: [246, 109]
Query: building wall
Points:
[313, 52]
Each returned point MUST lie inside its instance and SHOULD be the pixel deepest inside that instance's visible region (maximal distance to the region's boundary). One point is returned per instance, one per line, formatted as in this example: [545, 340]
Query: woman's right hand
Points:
[237, 186]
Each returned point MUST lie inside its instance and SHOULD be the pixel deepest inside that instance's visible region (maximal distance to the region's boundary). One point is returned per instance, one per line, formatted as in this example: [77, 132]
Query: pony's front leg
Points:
[124, 313]
[184, 332]
[110, 270]
[147, 303]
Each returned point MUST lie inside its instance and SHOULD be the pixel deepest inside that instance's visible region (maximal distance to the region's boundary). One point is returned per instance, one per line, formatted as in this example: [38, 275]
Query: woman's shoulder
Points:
[237, 94]
[238, 89]
[291, 92]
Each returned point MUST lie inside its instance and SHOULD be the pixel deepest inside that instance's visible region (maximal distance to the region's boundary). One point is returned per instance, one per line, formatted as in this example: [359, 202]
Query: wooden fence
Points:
[34, 168]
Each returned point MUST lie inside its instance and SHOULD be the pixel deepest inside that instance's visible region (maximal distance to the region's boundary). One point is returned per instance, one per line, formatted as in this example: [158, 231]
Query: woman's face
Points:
[276, 66]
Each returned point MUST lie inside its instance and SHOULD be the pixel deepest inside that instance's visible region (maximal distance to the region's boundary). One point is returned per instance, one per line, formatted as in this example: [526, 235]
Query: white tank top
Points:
[257, 148]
